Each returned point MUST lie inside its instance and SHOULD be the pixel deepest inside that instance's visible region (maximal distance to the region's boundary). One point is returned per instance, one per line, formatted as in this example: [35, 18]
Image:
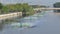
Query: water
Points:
[32, 24]
[14, 27]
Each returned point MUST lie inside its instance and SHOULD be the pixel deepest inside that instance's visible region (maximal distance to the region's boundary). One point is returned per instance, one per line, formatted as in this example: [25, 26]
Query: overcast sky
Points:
[38, 2]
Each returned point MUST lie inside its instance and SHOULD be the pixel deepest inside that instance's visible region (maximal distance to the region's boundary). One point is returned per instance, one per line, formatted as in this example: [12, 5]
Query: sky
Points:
[33, 2]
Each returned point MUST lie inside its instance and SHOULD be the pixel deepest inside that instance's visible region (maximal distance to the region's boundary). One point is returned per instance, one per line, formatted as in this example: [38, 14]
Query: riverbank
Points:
[13, 17]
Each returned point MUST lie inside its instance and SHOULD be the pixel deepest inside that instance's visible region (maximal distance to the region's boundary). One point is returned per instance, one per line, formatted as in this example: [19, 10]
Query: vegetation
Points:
[17, 8]
[5, 9]
[56, 5]
[28, 9]
[1, 6]
[39, 6]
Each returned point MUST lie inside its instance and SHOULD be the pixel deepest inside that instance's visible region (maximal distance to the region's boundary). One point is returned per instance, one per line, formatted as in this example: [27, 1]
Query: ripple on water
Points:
[18, 25]
[30, 21]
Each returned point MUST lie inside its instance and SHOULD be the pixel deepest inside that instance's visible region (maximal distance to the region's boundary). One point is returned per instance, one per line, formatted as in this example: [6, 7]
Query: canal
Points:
[46, 22]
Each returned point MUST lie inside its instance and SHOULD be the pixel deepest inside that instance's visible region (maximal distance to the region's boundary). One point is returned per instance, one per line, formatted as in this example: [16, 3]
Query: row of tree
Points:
[16, 8]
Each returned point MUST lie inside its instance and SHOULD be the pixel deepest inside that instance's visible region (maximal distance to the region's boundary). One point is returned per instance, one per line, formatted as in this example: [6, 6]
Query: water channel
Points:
[40, 23]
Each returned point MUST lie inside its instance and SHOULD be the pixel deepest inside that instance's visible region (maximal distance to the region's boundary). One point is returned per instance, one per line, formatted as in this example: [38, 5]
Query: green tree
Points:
[20, 7]
[29, 9]
[56, 5]
[1, 5]
[5, 9]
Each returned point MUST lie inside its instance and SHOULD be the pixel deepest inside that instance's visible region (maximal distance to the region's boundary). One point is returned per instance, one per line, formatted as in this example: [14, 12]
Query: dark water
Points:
[48, 23]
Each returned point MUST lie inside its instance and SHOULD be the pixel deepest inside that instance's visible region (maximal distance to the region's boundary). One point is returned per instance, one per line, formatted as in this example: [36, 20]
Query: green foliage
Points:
[28, 9]
[1, 5]
[17, 7]
[57, 4]
[5, 9]
[39, 6]
[20, 7]
[11, 7]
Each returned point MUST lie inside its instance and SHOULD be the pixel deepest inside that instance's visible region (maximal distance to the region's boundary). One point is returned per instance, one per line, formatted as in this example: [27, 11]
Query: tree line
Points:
[56, 5]
[18, 7]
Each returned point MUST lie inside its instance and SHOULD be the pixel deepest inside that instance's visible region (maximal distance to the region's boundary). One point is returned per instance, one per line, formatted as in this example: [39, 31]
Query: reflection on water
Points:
[1, 26]
[17, 23]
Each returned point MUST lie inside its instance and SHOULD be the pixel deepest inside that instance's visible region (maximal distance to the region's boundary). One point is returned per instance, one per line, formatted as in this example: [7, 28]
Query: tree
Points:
[56, 5]
[5, 9]
[21, 8]
[1, 5]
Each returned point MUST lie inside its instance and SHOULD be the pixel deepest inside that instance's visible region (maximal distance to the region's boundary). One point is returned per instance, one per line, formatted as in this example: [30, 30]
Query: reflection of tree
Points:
[23, 13]
[1, 26]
